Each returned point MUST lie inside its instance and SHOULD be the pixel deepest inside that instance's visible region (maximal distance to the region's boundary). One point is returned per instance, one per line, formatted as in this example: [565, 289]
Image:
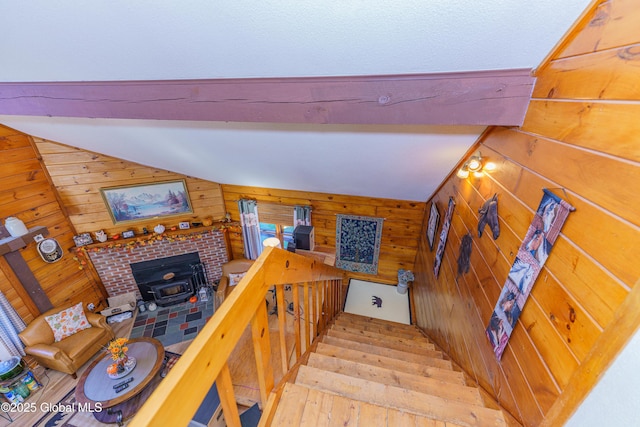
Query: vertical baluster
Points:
[307, 317]
[296, 319]
[333, 298]
[282, 326]
[321, 302]
[227, 398]
[262, 351]
[314, 305]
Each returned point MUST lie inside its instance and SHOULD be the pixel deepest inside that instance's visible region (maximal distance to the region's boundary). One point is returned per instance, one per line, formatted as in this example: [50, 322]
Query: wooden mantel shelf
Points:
[168, 234]
[12, 244]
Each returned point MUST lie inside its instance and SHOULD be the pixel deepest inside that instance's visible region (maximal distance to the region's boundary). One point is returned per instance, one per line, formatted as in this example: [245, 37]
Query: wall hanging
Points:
[443, 236]
[541, 235]
[358, 243]
[464, 258]
[147, 201]
[489, 215]
[432, 225]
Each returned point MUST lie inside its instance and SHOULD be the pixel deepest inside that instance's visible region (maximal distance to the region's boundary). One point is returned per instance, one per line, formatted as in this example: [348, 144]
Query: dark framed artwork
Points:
[147, 201]
[443, 236]
[432, 225]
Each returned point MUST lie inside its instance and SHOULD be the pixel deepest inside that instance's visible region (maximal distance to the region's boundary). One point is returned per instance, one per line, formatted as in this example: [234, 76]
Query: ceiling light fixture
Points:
[475, 165]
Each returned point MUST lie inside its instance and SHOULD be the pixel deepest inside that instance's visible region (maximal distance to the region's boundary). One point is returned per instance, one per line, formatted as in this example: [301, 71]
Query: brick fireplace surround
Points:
[112, 263]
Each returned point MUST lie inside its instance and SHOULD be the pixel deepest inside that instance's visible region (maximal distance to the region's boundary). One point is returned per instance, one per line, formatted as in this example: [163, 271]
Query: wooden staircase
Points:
[370, 372]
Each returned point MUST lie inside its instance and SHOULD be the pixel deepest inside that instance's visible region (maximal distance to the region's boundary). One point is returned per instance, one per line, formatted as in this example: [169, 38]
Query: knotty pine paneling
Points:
[611, 24]
[579, 139]
[78, 176]
[400, 231]
[26, 192]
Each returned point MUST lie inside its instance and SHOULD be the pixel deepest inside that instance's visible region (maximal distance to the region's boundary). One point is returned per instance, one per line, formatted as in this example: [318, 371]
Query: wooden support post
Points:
[10, 249]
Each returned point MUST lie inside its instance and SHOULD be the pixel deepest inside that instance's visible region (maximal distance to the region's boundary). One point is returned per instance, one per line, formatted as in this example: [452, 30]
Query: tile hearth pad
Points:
[173, 324]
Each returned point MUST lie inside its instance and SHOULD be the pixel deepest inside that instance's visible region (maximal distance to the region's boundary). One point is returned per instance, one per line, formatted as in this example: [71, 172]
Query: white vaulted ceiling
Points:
[123, 40]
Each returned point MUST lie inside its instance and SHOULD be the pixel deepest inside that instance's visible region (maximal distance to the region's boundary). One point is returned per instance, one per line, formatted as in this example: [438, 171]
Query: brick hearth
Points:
[112, 263]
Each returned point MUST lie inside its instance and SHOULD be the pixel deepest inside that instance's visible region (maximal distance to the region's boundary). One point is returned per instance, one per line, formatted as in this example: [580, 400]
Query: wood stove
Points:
[170, 280]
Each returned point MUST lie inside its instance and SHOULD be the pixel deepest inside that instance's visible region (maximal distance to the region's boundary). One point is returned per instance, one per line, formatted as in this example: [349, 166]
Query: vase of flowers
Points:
[124, 363]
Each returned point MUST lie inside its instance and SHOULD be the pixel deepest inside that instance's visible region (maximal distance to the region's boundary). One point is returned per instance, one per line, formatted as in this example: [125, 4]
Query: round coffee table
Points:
[96, 389]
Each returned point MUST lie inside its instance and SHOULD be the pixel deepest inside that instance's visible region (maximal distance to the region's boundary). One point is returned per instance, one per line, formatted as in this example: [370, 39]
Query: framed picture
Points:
[443, 236]
[184, 225]
[83, 239]
[146, 201]
[432, 226]
[128, 234]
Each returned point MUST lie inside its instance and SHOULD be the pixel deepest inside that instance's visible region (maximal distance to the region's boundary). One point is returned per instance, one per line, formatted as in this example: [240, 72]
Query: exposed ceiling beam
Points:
[465, 98]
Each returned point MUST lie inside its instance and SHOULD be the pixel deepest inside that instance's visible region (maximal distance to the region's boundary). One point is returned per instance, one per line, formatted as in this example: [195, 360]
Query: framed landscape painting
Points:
[147, 201]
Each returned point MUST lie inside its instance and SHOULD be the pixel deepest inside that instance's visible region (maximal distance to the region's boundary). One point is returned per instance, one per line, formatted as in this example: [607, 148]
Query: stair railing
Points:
[179, 395]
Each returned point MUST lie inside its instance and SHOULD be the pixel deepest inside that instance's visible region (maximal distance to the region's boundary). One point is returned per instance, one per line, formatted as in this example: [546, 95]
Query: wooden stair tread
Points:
[380, 329]
[320, 409]
[421, 404]
[408, 381]
[356, 340]
[420, 342]
[374, 321]
[418, 369]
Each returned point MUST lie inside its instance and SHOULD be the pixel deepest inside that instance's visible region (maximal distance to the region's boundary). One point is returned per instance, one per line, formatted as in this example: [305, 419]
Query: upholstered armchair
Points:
[232, 272]
[65, 338]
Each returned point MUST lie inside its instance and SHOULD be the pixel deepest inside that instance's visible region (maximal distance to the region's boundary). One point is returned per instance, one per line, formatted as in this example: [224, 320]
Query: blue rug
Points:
[358, 243]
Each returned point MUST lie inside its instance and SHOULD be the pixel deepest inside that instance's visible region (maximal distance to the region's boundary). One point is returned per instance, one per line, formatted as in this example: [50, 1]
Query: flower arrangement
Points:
[124, 363]
[118, 349]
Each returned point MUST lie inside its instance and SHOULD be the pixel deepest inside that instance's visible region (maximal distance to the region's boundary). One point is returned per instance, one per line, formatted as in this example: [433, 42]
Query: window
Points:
[276, 221]
[284, 233]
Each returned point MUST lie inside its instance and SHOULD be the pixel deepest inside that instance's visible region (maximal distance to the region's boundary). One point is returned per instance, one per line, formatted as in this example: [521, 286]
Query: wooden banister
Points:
[179, 395]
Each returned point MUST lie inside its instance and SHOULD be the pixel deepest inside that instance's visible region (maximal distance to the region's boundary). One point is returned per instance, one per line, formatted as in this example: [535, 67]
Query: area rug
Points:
[69, 413]
[173, 324]
[377, 300]
[358, 243]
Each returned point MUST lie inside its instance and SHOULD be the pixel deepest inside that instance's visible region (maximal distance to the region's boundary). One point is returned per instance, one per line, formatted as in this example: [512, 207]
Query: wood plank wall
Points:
[26, 192]
[79, 174]
[400, 230]
[581, 139]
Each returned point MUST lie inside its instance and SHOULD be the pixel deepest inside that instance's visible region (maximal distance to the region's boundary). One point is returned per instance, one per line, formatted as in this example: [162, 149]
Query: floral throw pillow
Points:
[68, 322]
[234, 278]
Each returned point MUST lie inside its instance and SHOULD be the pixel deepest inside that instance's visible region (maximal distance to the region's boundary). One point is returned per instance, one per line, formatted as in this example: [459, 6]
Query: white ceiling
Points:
[68, 40]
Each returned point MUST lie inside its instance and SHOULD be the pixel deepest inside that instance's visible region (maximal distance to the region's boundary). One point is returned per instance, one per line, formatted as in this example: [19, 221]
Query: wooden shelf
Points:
[152, 236]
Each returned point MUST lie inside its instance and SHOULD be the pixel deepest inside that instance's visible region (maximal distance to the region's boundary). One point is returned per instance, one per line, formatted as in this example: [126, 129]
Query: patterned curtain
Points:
[301, 215]
[10, 325]
[250, 228]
